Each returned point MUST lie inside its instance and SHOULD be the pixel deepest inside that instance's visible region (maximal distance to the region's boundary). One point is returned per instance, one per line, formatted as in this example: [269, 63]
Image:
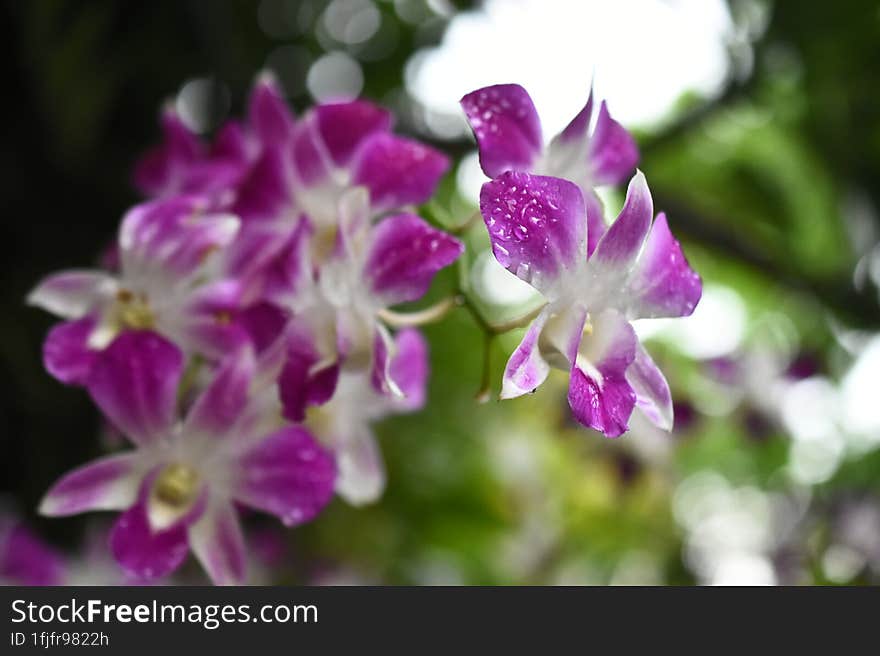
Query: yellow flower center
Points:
[134, 310]
[177, 486]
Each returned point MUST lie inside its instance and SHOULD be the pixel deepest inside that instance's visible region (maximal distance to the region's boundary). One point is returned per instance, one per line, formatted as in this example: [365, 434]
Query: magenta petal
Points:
[596, 225]
[311, 163]
[265, 192]
[663, 283]
[143, 553]
[216, 409]
[161, 168]
[217, 541]
[526, 369]
[404, 255]
[580, 124]
[27, 560]
[398, 171]
[599, 394]
[537, 225]
[109, 483]
[613, 152]
[263, 323]
[268, 113]
[506, 126]
[652, 391]
[343, 126]
[66, 352]
[287, 474]
[134, 381]
[621, 244]
[299, 385]
[410, 368]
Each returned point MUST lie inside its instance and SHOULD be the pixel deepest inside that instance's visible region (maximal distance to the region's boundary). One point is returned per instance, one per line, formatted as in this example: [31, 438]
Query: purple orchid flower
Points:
[167, 283]
[179, 487]
[538, 227]
[343, 423]
[337, 309]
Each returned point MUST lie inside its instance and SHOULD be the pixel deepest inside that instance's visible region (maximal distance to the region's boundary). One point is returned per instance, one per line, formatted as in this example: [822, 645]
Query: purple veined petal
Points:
[217, 541]
[207, 322]
[263, 323]
[109, 483]
[287, 474]
[257, 248]
[66, 353]
[26, 560]
[652, 391]
[580, 124]
[410, 369]
[223, 400]
[397, 171]
[506, 126]
[265, 192]
[134, 381]
[142, 552]
[268, 113]
[599, 394]
[613, 152]
[198, 238]
[618, 249]
[663, 283]
[404, 255]
[291, 272]
[526, 368]
[160, 169]
[231, 143]
[361, 478]
[537, 226]
[562, 334]
[73, 294]
[343, 126]
[596, 226]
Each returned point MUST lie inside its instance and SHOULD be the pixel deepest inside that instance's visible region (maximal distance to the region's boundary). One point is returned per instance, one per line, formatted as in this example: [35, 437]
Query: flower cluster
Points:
[547, 226]
[240, 339]
[238, 343]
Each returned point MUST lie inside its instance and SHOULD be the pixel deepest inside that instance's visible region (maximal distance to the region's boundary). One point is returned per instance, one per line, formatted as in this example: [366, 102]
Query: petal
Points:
[506, 127]
[309, 376]
[537, 226]
[613, 151]
[134, 381]
[26, 560]
[217, 408]
[361, 478]
[404, 255]
[205, 324]
[268, 113]
[109, 483]
[384, 353]
[526, 369]
[66, 353]
[618, 248]
[599, 394]
[287, 474]
[344, 126]
[410, 369]
[398, 171]
[73, 294]
[217, 541]
[596, 226]
[161, 168]
[312, 164]
[143, 553]
[663, 283]
[580, 124]
[264, 193]
[652, 391]
[263, 323]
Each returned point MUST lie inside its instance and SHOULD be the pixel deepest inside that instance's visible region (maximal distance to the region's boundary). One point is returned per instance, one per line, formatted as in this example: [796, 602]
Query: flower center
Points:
[134, 310]
[177, 486]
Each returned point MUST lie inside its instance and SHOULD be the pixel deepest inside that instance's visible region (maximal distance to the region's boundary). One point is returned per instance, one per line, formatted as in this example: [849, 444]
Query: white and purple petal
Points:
[652, 391]
[344, 126]
[216, 409]
[405, 253]
[73, 294]
[613, 152]
[67, 355]
[287, 474]
[361, 478]
[268, 114]
[134, 381]
[537, 225]
[619, 247]
[410, 369]
[526, 368]
[142, 552]
[109, 483]
[217, 541]
[506, 126]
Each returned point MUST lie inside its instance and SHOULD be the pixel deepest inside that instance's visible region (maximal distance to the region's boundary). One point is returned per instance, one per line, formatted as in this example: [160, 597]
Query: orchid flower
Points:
[343, 423]
[538, 227]
[337, 311]
[179, 486]
[167, 283]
